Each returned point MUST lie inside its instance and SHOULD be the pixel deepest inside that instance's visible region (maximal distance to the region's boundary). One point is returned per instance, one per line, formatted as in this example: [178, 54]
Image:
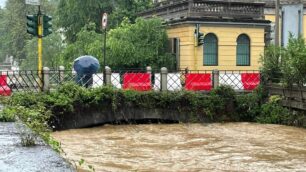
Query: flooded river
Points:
[187, 147]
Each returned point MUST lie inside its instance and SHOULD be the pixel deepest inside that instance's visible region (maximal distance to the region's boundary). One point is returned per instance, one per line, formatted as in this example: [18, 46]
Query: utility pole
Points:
[277, 28]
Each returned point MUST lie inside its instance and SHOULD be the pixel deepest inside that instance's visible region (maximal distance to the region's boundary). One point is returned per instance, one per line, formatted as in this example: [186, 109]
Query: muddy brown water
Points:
[187, 147]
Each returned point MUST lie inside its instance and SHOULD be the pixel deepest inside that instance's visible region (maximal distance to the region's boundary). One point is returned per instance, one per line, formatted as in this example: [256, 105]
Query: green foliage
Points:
[294, 62]
[81, 165]
[127, 9]
[271, 66]
[138, 45]
[273, 113]
[87, 42]
[73, 15]
[7, 115]
[32, 109]
[222, 101]
[13, 35]
[288, 64]
[52, 47]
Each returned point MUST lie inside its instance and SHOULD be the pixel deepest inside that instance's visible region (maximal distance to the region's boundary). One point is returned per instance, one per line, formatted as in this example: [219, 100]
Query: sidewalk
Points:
[16, 158]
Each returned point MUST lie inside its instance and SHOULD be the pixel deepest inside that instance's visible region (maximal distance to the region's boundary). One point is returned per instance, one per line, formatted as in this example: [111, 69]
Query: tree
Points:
[73, 15]
[128, 9]
[138, 45]
[88, 42]
[13, 35]
[52, 47]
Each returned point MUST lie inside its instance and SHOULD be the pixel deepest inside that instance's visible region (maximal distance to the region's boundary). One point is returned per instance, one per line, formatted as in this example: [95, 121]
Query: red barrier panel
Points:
[3, 80]
[137, 81]
[250, 80]
[198, 82]
[4, 89]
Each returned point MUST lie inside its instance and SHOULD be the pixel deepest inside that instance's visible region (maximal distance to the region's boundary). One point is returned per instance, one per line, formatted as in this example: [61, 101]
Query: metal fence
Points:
[15, 81]
[142, 80]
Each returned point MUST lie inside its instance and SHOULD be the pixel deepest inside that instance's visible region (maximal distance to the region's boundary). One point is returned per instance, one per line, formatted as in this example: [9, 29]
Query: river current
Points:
[187, 147]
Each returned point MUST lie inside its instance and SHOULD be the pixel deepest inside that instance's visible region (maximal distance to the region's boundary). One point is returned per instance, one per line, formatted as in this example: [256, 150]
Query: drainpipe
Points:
[277, 5]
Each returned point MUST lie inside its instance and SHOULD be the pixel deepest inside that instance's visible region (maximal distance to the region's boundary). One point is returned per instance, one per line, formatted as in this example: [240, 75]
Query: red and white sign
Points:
[104, 21]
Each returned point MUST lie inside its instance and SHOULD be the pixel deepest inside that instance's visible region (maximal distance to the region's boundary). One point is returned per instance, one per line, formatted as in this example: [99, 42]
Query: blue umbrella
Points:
[86, 65]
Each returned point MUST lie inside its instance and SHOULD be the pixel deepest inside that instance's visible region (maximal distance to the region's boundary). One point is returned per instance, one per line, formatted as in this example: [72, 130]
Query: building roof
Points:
[269, 3]
[215, 9]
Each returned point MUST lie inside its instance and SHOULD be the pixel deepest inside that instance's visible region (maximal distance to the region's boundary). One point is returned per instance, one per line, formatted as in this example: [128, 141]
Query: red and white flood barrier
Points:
[5, 90]
[178, 81]
[240, 81]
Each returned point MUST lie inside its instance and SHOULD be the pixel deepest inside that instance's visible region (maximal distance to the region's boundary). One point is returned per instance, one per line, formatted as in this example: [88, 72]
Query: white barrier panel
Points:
[97, 80]
[157, 82]
[231, 79]
[174, 82]
[115, 79]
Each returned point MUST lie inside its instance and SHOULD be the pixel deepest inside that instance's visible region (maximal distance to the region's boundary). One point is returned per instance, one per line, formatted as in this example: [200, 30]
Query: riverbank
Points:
[17, 158]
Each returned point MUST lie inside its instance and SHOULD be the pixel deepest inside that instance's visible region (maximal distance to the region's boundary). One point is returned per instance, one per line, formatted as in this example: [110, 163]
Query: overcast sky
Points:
[2, 3]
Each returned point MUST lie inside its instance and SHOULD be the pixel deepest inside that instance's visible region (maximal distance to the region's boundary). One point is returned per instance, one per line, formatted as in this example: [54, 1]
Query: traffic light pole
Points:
[40, 33]
[39, 25]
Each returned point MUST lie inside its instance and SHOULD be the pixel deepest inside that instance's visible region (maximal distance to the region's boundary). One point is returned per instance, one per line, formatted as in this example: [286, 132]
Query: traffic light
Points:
[47, 25]
[199, 37]
[32, 25]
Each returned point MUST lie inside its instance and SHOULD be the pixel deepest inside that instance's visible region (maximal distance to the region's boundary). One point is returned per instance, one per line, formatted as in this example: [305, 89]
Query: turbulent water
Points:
[187, 147]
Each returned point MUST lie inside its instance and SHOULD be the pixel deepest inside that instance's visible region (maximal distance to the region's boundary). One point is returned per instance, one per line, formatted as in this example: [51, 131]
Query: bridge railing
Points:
[135, 79]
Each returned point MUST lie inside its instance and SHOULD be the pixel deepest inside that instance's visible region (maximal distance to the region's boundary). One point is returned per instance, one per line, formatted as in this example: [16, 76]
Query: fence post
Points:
[46, 79]
[108, 75]
[215, 78]
[149, 69]
[163, 78]
[61, 73]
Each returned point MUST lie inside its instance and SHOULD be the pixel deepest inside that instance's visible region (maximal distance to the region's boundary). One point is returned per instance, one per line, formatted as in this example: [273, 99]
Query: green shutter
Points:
[210, 50]
[243, 50]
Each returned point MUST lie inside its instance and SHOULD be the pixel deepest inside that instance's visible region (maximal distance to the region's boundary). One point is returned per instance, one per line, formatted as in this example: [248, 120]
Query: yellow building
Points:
[233, 33]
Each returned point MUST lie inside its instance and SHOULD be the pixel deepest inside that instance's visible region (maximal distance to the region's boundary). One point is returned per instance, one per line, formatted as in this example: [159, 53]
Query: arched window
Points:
[243, 50]
[210, 50]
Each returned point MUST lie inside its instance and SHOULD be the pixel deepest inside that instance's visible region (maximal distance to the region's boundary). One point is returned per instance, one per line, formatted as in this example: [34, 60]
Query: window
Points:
[210, 50]
[243, 50]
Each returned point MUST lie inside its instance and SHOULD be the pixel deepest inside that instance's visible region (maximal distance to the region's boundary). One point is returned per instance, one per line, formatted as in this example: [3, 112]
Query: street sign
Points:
[32, 2]
[104, 21]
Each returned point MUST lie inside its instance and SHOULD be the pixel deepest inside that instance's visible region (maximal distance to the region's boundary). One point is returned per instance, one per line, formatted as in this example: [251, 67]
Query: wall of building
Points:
[271, 17]
[192, 57]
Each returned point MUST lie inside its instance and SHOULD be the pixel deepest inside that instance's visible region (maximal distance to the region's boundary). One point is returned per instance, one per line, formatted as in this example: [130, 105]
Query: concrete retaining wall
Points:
[94, 117]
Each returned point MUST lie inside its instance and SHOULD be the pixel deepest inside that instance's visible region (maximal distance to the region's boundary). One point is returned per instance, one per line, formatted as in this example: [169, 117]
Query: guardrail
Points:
[140, 80]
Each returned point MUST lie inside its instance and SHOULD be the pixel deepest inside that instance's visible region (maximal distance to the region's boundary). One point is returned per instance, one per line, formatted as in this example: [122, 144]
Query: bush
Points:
[286, 65]
[7, 115]
[271, 66]
[294, 62]
[273, 113]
